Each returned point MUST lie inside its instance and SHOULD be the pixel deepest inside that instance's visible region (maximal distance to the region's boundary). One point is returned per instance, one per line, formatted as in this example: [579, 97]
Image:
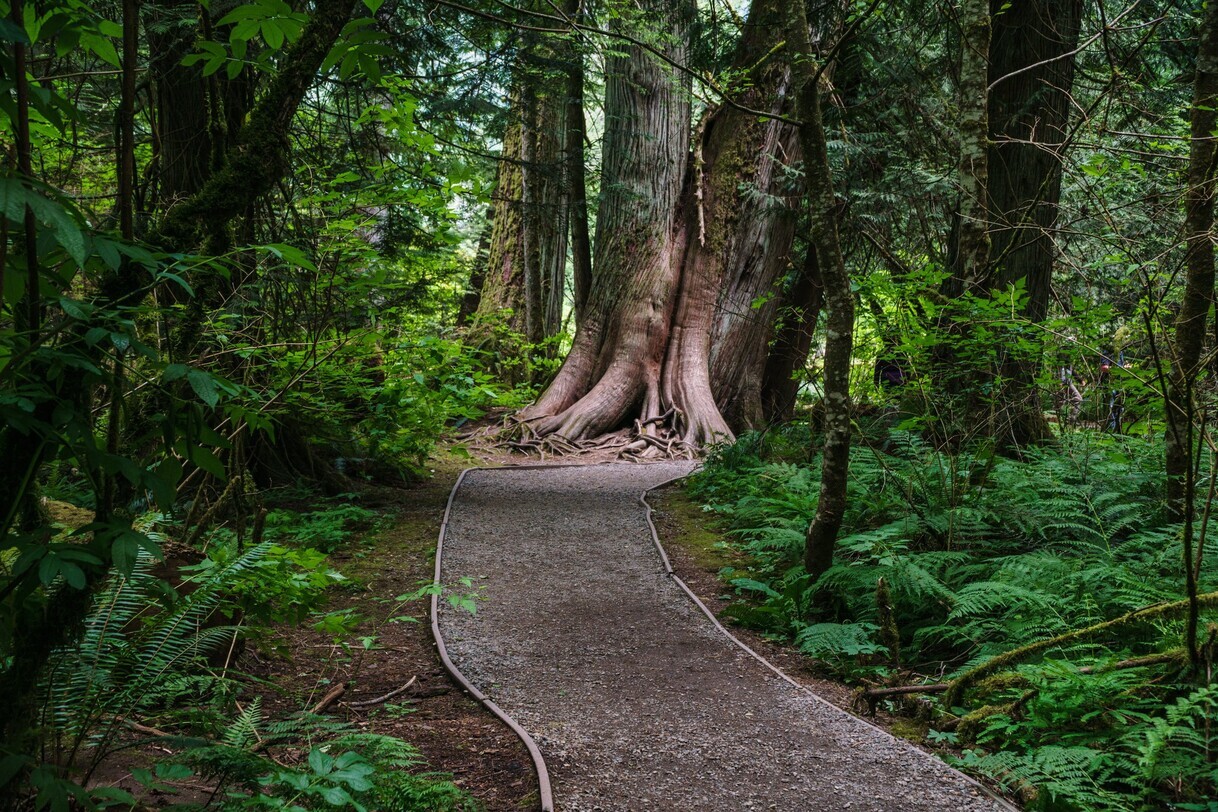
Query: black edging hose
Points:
[545, 791]
[655, 537]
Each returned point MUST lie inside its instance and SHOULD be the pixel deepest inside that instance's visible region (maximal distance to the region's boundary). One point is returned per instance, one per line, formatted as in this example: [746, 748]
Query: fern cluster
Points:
[140, 667]
[980, 555]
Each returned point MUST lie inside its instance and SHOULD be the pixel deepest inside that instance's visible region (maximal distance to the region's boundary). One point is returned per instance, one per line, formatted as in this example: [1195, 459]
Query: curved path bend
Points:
[635, 698]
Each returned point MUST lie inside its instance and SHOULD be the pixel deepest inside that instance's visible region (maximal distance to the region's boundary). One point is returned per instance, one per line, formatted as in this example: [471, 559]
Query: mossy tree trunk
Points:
[257, 160]
[751, 202]
[792, 341]
[1188, 362]
[1199, 263]
[839, 299]
[523, 279]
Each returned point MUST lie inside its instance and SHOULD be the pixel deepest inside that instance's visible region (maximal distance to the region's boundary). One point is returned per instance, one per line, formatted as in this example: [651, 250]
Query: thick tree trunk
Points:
[523, 281]
[793, 342]
[182, 143]
[1031, 75]
[615, 364]
[839, 299]
[670, 336]
[745, 243]
[1199, 265]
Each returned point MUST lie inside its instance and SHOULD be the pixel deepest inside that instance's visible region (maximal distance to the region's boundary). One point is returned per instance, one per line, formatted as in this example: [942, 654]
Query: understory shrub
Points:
[967, 556]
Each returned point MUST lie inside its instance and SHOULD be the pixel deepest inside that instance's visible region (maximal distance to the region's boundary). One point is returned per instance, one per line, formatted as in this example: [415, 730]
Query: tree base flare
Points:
[656, 438]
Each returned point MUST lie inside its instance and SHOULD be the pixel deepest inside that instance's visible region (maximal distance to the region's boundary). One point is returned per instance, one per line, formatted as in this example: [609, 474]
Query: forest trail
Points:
[636, 700]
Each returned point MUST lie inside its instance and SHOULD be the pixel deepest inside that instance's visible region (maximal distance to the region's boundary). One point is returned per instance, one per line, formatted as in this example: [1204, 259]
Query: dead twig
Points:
[367, 703]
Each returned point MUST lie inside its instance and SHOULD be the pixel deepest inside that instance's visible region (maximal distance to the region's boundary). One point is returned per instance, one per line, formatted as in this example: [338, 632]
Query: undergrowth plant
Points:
[158, 662]
[949, 560]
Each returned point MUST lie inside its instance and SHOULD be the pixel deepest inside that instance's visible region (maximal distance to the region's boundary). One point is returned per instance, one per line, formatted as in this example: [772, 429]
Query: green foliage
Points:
[981, 555]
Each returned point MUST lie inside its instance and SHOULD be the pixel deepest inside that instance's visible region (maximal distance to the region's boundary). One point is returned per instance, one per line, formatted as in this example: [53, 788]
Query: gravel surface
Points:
[635, 699]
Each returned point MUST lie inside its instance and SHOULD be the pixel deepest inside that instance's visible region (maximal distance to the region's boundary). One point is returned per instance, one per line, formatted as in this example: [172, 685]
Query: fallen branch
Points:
[367, 703]
[329, 699]
[968, 678]
[872, 696]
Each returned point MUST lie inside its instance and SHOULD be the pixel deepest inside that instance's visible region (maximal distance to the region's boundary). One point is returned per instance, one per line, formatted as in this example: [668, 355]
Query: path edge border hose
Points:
[689, 593]
[544, 790]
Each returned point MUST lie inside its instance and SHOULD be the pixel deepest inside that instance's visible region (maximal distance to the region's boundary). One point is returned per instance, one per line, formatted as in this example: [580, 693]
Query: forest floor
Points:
[635, 698]
[454, 733]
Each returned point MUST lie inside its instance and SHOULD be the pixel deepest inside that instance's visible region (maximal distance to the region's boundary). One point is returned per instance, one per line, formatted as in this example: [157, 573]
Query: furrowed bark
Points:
[973, 246]
[525, 271]
[751, 204]
[1198, 294]
[680, 312]
[1029, 113]
[614, 366]
[261, 154]
[575, 180]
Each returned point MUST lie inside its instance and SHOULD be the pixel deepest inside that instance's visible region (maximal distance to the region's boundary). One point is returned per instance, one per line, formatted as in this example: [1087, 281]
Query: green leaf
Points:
[272, 34]
[319, 762]
[337, 796]
[11, 32]
[124, 552]
[77, 310]
[174, 372]
[208, 461]
[204, 386]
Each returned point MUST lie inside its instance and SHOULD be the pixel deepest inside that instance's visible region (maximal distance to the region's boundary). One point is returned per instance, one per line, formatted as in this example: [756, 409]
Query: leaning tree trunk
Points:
[670, 334]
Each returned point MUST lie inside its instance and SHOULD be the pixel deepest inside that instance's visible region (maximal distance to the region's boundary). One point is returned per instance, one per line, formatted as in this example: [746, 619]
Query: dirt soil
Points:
[454, 733]
[635, 699]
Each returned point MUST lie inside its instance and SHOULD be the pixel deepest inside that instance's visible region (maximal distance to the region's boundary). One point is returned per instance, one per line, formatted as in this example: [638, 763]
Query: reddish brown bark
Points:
[686, 263]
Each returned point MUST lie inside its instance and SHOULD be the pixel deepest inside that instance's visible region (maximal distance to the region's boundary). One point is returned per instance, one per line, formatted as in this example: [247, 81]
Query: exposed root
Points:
[653, 438]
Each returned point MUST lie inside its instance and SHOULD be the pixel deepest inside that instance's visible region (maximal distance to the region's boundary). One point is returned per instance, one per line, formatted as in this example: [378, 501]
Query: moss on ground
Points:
[694, 531]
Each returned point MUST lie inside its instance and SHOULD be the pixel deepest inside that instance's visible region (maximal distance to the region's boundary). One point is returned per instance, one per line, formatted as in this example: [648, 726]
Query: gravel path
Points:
[636, 700]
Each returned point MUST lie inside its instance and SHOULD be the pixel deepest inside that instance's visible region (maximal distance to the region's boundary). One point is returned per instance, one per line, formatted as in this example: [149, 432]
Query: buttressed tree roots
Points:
[671, 349]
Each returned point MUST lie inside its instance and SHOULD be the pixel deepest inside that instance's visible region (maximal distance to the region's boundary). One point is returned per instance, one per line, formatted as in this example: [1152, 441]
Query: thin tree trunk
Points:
[839, 300]
[1198, 292]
